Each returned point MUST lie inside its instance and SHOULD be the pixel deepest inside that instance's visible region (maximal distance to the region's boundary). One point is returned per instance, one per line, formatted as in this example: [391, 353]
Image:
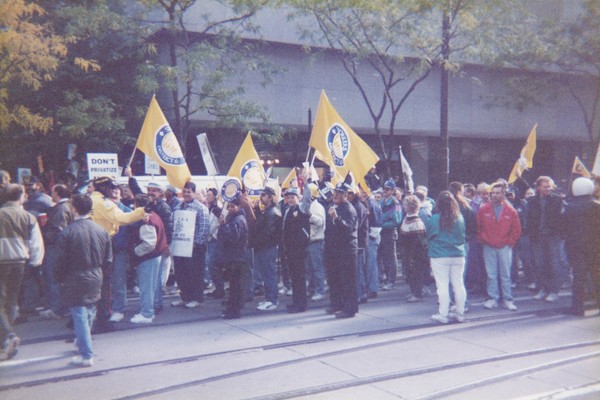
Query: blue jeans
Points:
[315, 271]
[83, 318]
[264, 265]
[387, 250]
[372, 275]
[498, 262]
[214, 267]
[119, 280]
[148, 279]
[546, 254]
[361, 265]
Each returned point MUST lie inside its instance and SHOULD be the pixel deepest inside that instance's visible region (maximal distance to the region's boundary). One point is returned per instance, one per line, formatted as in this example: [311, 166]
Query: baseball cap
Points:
[268, 190]
[293, 191]
[172, 189]
[105, 181]
[155, 185]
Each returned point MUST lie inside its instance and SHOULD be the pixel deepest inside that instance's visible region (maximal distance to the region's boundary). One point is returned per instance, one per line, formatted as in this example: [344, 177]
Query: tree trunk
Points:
[445, 156]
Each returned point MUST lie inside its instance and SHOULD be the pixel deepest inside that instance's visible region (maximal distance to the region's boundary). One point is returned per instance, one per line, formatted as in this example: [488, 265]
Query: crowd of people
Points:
[67, 253]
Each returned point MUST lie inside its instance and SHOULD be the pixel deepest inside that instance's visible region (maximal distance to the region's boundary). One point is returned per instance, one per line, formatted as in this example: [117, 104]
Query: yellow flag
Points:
[341, 148]
[158, 142]
[579, 169]
[291, 180]
[248, 169]
[525, 161]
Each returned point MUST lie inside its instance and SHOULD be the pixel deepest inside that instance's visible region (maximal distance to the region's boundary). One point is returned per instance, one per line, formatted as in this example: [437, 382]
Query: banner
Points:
[103, 164]
[207, 155]
[184, 226]
[248, 169]
[158, 141]
[525, 161]
[341, 147]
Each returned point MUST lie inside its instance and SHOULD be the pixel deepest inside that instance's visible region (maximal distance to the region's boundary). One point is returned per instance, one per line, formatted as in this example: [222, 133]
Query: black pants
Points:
[341, 276]
[296, 262]
[583, 270]
[189, 275]
[236, 292]
[11, 276]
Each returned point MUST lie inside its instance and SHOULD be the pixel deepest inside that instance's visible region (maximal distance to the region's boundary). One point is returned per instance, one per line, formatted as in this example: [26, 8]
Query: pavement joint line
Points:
[564, 393]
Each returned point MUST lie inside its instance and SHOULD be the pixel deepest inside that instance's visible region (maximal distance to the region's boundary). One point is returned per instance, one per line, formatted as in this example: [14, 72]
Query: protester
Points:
[543, 223]
[341, 246]
[446, 239]
[148, 246]
[371, 272]
[83, 253]
[315, 269]
[413, 245]
[189, 270]
[212, 264]
[581, 230]
[267, 237]
[22, 244]
[59, 217]
[296, 238]
[391, 218]
[499, 230]
[233, 240]
[362, 223]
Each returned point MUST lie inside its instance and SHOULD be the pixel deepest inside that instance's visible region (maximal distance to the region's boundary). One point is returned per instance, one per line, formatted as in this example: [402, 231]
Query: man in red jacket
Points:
[498, 228]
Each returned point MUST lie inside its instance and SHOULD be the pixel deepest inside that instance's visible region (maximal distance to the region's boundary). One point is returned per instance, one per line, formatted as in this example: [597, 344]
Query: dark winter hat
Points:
[105, 182]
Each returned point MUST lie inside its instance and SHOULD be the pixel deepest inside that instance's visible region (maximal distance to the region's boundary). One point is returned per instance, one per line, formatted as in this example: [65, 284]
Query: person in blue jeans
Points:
[83, 250]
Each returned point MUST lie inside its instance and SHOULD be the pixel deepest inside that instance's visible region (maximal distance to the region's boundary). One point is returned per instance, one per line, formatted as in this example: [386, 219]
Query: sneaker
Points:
[317, 297]
[266, 306]
[510, 305]
[439, 318]
[10, 349]
[49, 314]
[540, 295]
[192, 304]
[532, 286]
[413, 299]
[283, 290]
[490, 303]
[289, 292]
[116, 317]
[136, 290]
[79, 361]
[552, 298]
[140, 319]
[456, 316]
[387, 286]
[178, 303]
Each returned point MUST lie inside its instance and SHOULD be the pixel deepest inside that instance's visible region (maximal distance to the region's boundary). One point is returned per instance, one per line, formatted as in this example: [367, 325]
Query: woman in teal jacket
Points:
[446, 237]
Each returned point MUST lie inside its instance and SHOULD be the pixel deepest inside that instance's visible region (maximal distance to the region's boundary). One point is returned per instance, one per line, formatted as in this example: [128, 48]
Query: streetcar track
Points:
[486, 321]
[442, 367]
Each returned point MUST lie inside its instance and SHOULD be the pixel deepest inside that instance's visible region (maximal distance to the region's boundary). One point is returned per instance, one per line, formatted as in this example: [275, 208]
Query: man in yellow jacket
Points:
[108, 215]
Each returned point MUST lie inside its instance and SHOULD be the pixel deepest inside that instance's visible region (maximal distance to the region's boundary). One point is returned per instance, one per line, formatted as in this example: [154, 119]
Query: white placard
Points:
[184, 227]
[22, 174]
[207, 155]
[103, 164]
[151, 167]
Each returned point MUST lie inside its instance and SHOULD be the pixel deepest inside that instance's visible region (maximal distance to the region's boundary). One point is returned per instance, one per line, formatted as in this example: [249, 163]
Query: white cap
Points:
[582, 187]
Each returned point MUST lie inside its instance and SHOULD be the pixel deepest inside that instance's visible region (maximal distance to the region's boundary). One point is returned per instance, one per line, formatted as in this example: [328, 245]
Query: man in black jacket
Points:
[341, 246]
[83, 251]
[265, 241]
[296, 237]
[543, 219]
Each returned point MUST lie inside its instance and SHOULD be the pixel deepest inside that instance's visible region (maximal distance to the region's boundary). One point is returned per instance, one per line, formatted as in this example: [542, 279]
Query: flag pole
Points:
[131, 158]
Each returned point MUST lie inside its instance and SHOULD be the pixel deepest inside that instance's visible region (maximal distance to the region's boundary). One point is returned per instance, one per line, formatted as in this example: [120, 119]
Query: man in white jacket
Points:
[20, 243]
[315, 270]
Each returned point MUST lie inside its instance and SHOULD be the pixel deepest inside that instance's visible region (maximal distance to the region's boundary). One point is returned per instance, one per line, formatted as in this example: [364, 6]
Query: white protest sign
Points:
[151, 167]
[184, 227]
[23, 174]
[103, 164]
[207, 155]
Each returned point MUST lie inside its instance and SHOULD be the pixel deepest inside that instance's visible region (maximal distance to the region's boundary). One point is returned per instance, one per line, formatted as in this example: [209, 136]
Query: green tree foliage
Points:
[205, 67]
[401, 43]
